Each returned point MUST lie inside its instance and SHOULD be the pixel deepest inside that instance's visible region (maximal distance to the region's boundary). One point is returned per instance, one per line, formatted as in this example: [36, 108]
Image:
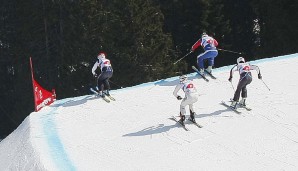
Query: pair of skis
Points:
[183, 124]
[106, 97]
[203, 75]
[223, 103]
[235, 109]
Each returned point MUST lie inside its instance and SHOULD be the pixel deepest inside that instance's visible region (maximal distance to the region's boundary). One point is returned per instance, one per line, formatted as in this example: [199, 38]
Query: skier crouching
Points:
[106, 73]
[190, 98]
[245, 79]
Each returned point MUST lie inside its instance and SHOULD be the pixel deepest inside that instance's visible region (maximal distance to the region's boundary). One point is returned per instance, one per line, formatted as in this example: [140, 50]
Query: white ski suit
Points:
[191, 95]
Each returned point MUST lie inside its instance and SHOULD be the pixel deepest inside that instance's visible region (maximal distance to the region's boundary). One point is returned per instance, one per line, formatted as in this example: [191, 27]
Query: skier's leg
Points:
[201, 65]
[191, 99]
[236, 97]
[200, 61]
[107, 83]
[182, 112]
[211, 56]
[191, 108]
[243, 96]
[237, 93]
[183, 104]
[191, 111]
[182, 117]
[247, 80]
[244, 92]
[100, 83]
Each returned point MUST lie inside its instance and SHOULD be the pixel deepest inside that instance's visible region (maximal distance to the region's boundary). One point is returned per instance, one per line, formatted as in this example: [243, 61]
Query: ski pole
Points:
[265, 84]
[230, 51]
[232, 86]
[182, 57]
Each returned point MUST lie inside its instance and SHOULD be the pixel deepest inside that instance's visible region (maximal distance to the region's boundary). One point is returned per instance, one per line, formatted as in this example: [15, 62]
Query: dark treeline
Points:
[142, 38]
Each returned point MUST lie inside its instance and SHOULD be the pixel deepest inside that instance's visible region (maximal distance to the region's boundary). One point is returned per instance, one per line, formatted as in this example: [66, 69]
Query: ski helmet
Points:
[240, 60]
[204, 34]
[183, 78]
[101, 56]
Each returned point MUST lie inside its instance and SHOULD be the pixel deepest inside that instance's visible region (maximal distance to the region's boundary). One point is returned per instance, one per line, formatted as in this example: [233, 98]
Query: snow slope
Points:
[134, 132]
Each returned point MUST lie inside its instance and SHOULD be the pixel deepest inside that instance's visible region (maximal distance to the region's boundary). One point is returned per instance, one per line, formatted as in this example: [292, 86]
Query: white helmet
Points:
[204, 34]
[101, 56]
[183, 78]
[240, 60]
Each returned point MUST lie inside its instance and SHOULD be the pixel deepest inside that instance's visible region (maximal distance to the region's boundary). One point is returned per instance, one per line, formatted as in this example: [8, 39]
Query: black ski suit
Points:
[105, 75]
[103, 78]
[245, 78]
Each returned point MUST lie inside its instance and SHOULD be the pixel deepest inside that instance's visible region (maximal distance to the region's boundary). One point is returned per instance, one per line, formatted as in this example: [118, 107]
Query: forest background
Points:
[142, 38]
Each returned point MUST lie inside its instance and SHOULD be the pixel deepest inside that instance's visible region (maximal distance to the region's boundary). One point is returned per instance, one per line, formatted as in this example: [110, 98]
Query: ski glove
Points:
[230, 79]
[179, 97]
[259, 76]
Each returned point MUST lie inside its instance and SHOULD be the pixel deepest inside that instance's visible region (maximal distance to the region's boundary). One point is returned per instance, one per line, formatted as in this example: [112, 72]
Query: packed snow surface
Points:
[135, 132]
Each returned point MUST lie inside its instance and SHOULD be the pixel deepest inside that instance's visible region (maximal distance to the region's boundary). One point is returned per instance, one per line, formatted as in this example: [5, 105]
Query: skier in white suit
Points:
[190, 98]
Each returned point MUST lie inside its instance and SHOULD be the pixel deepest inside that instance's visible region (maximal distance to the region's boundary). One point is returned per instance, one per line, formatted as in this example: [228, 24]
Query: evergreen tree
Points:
[242, 37]
[277, 21]
[7, 36]
[219, 27]
[136, 44]
[186, 20]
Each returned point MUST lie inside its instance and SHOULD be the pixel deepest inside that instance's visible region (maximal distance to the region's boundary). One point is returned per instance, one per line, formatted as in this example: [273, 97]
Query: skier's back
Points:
[105, 75]
[244, 69]
[210, 52]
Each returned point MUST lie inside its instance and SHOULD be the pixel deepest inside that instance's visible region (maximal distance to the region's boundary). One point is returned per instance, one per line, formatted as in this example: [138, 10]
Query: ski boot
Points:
[101, 94]
[242, 102]
[233, 104]
[209, 69]
[182, 118]
[107, 92]
[192, 116]
[202, 72]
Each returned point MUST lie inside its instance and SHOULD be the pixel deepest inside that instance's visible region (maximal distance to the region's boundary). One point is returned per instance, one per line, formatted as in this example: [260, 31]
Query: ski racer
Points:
[190, 98]
[209, 45]
[106, 73]
[245, 79]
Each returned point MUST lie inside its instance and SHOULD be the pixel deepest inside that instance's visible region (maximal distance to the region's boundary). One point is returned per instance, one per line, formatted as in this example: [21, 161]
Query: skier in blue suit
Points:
[209, 45]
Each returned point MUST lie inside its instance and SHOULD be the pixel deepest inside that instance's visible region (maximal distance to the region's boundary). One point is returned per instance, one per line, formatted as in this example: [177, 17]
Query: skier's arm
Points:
[215, 42]
[94, 68]
[232, 72]
[177, 88]
[254, 67]
[196, 45]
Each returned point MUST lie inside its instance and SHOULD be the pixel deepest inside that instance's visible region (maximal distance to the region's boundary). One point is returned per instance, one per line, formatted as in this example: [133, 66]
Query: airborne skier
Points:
[245, 79]
[209, 45]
